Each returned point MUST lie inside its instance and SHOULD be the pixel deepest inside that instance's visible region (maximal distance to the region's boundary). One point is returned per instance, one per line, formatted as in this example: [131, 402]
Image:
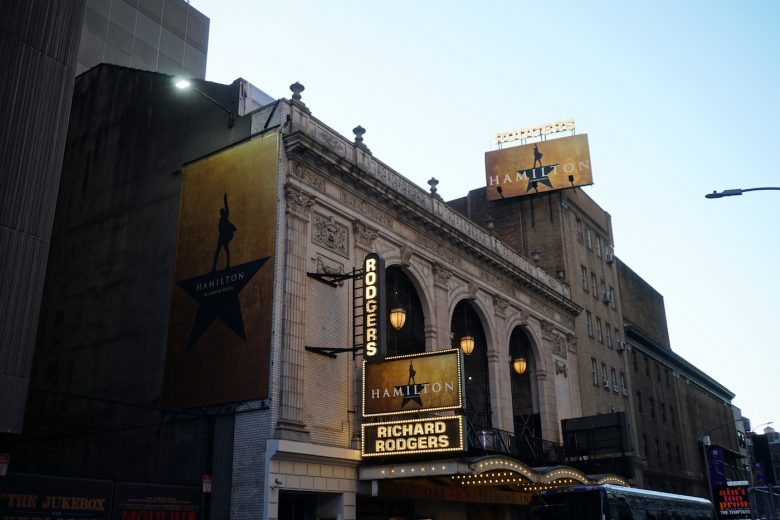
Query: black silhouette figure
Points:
[537, 156]
[226, 231]
[412, 373]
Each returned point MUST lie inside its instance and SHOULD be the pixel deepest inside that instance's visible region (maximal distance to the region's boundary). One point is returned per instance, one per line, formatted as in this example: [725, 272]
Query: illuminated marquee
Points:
[374, 313]
[431, 435]
[425, 382]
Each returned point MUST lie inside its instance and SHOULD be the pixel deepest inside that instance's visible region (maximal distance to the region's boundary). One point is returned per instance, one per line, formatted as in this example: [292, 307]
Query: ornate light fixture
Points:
[397, 313]
[467, 344]
[519, 365]
[397, 317]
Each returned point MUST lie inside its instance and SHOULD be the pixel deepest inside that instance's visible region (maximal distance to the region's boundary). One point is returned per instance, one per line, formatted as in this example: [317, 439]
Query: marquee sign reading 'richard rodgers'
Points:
[549, 165]
[432, 435]
[428, 382]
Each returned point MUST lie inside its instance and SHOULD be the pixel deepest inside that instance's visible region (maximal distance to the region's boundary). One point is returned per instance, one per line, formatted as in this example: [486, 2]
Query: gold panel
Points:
[549, 165]
[220, 326]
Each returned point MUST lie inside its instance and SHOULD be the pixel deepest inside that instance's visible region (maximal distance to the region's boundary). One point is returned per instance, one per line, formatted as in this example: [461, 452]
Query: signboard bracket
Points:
[335, 279]
[332, 352]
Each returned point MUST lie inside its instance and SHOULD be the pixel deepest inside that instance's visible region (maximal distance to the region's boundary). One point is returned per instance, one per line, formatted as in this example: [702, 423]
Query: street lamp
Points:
[185, 84]
[738, 191]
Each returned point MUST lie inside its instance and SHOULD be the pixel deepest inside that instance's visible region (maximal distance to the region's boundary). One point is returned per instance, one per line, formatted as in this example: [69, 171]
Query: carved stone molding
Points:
[500, 305]
[366, 208]
[559, 346]
[525, 318]
[473, 288]
[364, 235]
[571, 342]
[406, 256]
[327, 266]
[441, 276]
[548, 331]
[298, 202]
[328, 233]
[560, 368]
[309, 177]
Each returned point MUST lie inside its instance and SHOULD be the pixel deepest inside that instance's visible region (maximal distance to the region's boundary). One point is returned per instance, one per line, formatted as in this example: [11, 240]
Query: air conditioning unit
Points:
[609, 255]
[605, 299]
[625, 392]
[605, 383]
[620, 346]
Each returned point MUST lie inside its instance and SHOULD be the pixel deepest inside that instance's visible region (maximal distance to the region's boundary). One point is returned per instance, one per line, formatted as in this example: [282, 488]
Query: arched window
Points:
[466, 322]
[401, 294]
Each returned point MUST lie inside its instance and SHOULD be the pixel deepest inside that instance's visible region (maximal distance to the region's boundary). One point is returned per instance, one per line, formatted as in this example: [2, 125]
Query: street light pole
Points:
[737, 191]
[184, 84]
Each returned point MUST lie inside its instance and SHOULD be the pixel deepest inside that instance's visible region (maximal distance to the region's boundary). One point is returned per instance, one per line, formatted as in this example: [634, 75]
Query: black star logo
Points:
[538, 176]
[217, 297]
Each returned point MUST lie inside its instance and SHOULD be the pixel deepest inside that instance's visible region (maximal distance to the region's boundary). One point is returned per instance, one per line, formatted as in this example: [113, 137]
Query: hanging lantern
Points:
[519, 365]
[467, 344]
[397, 317]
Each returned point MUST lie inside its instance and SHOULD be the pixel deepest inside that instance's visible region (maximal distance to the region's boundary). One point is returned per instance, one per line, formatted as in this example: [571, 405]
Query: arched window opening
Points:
[466, 323]
[401, 294]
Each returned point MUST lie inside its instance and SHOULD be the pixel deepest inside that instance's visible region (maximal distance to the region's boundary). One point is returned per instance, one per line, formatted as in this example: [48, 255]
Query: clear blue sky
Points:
[677, 98]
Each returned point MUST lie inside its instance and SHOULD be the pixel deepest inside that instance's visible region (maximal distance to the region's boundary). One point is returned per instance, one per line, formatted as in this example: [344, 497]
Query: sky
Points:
[678, 99]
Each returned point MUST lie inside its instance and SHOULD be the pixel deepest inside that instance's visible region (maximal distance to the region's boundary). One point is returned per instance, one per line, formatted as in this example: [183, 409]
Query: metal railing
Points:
[533, 451]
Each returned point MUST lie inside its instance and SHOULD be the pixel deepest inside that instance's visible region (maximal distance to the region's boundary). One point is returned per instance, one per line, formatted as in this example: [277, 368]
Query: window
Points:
[611, 296]
[604, 378]
[663, 411]
[593, 285]
[647, 366]
[598, 246]
[667, 378]
[639, 401]
[652, 408]
[608, 331]
[623, 383]
[603, 289]
[657, 449]
[658, 373]
[644, 445]
[584, 278]
[599, 335]
[617, 338]
[588, 241]
[671, 416]
[589, 323]
[615, 387]
[633, 354]
[677, 452]
[669, 451]
[595, 371]
[579, 229]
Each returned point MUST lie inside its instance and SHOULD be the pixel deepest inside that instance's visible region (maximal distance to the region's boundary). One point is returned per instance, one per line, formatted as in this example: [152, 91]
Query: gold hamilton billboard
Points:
[430, 381]
[220, 325]
[548, 165]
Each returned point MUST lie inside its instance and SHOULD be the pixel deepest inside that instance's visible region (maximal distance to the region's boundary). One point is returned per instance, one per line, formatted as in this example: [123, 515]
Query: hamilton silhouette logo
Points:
[538, 175]
[217, 291]
[411, 390]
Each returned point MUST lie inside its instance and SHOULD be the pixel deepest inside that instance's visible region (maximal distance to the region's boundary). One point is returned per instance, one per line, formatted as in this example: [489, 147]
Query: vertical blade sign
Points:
[374, 311]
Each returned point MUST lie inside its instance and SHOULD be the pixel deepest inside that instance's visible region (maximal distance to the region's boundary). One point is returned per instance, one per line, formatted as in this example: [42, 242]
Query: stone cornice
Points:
[313, 142]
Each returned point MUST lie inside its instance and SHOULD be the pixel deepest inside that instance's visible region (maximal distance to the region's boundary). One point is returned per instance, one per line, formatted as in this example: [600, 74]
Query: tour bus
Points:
[609, 502]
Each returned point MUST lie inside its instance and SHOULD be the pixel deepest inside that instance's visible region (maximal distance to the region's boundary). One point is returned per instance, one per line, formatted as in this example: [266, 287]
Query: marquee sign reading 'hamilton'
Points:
[425, 382]
[374, 310]
[549, 165]
[431, 435]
